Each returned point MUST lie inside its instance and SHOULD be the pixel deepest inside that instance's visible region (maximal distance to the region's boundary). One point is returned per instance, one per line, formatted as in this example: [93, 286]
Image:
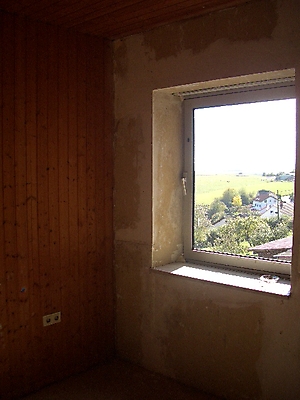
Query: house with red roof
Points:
[264, 200]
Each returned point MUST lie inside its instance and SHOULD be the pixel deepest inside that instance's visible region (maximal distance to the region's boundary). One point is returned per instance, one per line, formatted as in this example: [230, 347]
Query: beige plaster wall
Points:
[224, 340]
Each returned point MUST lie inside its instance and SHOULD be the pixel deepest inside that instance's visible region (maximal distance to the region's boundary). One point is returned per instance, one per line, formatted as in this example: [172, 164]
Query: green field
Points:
[209, 187]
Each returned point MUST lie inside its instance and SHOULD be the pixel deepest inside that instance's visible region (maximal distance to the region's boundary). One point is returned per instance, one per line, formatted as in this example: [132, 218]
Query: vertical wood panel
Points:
[63, 189]
[92, 128]
[107, 146]
[10, 248]
[43, 192]
[25, 357]
[4, 359]
[31, 186]
[73, 296]
[82, 187]
[56, 183]
[100, 161]
[52, 145]
[54, 272]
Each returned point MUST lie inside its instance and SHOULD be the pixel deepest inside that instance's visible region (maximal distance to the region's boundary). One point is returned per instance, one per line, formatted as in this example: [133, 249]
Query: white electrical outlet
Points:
[51, 319]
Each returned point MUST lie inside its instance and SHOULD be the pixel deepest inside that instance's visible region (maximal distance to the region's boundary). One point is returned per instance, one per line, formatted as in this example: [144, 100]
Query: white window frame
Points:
[275, 86]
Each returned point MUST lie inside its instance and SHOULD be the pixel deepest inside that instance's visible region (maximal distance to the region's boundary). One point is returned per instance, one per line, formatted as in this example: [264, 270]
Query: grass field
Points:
[209, 187]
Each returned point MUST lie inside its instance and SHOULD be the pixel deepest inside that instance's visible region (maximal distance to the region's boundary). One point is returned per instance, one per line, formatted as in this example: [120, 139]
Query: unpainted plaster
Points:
[128, 138]
[120, 58]
[167, 174]
[227, 334]
[224, 340]
[240, 23]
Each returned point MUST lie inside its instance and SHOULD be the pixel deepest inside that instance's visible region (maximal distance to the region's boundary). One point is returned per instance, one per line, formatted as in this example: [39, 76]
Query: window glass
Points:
[240, 163]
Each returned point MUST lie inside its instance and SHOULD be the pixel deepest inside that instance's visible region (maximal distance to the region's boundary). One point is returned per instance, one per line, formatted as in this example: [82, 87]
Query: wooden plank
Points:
[49, 11]
[32, 212]
[52, 118]
[92, 267]
[118, 18]
[74, 280]
[63, 183]
[82, 12]
[23, 333]
[100, 190]
[82, 186]
[26, 6]
[131, 16]
[43, 194]
[132, 20]
[108, 196]
[12, 6]
[9, 200]
[54, 332]
[4, 354]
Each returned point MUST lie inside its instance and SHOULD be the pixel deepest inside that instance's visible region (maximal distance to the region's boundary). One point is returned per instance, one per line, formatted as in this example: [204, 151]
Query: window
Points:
[235, 177]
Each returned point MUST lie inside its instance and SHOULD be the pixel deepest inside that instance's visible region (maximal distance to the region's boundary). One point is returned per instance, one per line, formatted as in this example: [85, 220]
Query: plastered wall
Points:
[227, 341]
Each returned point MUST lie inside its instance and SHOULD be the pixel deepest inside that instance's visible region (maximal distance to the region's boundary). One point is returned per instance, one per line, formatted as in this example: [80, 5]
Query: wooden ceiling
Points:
[113, 18]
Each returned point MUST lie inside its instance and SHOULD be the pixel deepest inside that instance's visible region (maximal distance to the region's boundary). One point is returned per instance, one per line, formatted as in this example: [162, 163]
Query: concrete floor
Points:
[118, 380]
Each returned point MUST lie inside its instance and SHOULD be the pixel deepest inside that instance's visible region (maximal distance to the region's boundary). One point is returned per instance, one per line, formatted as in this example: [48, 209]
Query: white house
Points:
[283, 209]
[264, 200]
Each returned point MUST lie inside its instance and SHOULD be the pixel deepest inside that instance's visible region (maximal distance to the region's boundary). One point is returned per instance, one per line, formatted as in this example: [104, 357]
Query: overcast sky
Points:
[247, 138]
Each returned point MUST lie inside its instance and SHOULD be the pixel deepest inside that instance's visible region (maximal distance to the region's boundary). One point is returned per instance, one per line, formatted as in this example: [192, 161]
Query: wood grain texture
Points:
[113, 19]
[53, 239]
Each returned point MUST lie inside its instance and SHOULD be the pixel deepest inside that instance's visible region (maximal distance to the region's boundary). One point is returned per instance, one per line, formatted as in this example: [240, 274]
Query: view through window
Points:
[244, 171]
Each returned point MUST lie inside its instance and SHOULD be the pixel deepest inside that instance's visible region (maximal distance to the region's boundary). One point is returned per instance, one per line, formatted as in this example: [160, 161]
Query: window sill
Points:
[246, 280]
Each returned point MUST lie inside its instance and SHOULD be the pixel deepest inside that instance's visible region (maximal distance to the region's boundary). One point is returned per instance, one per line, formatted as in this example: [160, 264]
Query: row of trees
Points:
[231, 202]
[243, 228]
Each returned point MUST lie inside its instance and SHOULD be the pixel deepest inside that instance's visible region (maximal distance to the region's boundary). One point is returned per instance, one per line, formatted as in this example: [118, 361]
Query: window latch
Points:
[183, 180]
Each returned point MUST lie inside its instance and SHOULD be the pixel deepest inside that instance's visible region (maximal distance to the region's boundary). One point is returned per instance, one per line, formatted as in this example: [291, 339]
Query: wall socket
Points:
[51, 319]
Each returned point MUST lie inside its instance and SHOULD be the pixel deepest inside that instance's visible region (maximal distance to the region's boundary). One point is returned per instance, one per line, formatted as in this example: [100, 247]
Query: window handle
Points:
[183, 180]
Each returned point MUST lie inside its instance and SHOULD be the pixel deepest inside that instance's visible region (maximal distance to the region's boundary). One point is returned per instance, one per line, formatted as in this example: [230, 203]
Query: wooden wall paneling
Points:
[130, 18]
[11, 6]
[87, 288]
[107, 143]
[78, 15]
[9, 200]
[37, 10]
[4, 354]
[74, 278]
[22, 278]
[105, 240]
[110, 19]
[54, 272]
[93, 129]
[83, 321]
[63, 183]
[99, 234]
[54, 10]
[100, 179]
[52, 119]
[32, 212]
[56, 239]
[43, 194]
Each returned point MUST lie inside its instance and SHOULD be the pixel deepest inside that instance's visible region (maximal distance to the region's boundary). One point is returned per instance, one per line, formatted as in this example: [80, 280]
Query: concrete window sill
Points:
[226, 276]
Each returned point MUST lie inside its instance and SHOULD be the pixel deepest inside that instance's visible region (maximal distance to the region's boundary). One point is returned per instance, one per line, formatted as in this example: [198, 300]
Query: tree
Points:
[237, 201]
[216, 211]
[281, 227]
[247, 198]
[202, 226]
[228, 196]
[240, 234]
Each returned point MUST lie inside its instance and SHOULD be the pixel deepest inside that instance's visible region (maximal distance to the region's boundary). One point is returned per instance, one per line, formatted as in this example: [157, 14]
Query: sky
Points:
[250, 138]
